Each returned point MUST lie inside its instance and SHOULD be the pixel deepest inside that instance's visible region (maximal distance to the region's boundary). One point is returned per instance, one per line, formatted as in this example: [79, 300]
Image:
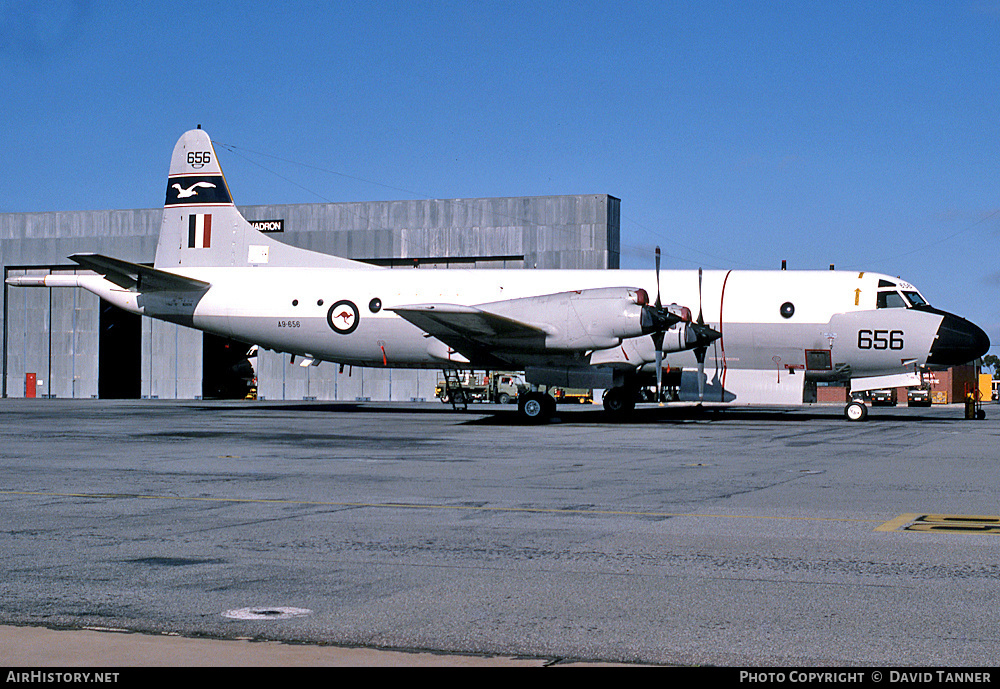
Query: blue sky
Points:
[737, 135]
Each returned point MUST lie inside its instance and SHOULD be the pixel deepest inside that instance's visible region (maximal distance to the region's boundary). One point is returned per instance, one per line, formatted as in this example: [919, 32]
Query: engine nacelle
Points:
[678, 338]
[582, 320]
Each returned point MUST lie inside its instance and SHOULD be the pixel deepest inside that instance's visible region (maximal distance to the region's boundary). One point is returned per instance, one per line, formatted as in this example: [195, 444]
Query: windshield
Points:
[891, 299]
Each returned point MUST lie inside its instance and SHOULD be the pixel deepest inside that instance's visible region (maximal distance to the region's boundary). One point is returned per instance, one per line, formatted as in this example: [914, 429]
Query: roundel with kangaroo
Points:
[343, 317]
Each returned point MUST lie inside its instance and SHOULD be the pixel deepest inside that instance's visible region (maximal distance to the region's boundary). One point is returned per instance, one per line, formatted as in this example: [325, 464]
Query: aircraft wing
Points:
[477, 334]
[136, 276]
[558, 327]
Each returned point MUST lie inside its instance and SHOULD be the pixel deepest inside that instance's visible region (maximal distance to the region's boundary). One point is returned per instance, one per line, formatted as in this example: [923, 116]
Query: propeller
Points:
[658, 338]
[699, 352]
[657, 319]
[703, 336]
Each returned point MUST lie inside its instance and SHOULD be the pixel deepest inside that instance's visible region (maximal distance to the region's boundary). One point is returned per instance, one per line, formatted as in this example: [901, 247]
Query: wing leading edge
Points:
[478, 335]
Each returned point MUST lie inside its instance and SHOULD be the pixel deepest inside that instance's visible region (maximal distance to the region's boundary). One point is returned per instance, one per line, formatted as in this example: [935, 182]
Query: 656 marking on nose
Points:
[880, 339]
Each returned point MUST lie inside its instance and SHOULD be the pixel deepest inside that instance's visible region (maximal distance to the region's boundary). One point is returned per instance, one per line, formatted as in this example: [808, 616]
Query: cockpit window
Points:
[885, 283]
[890, 299]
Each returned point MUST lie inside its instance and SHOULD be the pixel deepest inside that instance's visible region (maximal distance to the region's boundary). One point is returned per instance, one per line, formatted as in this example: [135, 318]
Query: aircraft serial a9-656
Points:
[726, 337]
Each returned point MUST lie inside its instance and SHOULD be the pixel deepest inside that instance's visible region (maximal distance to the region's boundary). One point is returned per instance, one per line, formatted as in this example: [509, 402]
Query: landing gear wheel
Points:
[619, 401]
[856, 411]
[536, 407]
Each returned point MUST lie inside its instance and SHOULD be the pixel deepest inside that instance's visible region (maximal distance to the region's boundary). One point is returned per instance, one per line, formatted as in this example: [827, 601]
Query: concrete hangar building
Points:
[68, 343]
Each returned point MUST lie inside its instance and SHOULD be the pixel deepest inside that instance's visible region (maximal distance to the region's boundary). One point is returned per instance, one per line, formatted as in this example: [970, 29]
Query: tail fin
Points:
[203, 228]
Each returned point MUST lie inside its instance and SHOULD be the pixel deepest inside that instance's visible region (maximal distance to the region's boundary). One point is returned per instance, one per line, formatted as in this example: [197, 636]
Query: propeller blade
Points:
[658, 345]
[700, 352]
[701, 319]
[659, 376]
[658, 337]
[658, 304]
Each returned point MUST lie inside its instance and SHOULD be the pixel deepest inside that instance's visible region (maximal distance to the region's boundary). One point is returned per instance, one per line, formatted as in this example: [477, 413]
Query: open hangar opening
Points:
[61, 342]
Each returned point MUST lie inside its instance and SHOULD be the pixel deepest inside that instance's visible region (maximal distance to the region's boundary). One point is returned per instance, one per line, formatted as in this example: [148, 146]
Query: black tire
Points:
[503, 398]
[619, 401]
[536, 407]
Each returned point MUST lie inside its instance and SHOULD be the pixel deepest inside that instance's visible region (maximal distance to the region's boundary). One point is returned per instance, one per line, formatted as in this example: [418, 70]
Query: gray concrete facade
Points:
[54, 333]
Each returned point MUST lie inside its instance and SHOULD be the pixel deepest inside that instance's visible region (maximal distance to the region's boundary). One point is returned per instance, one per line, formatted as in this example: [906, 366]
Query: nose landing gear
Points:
[856, 411]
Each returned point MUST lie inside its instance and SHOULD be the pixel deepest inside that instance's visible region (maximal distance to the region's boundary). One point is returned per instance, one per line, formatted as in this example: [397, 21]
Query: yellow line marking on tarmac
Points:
[898, 523]
[418, 506]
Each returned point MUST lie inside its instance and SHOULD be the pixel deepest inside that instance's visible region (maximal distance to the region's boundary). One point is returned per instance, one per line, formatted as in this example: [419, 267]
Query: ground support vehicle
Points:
[462, 387]
[883, 398]
[581, 395]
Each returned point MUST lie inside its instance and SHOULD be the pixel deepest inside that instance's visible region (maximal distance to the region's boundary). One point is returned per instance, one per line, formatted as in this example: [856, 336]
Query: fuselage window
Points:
[890, 300]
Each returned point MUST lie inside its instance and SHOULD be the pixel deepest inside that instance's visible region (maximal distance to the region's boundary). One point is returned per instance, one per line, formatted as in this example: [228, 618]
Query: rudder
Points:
[199, 218]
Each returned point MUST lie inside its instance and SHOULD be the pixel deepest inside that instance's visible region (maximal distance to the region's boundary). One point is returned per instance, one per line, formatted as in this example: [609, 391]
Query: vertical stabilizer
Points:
[203, 228]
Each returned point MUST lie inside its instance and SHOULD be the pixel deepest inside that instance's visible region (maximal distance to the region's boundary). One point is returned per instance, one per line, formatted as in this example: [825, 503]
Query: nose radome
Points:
[958, 341]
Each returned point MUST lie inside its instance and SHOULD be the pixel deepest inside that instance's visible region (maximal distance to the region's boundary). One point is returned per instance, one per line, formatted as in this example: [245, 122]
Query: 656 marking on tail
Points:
[199, 159]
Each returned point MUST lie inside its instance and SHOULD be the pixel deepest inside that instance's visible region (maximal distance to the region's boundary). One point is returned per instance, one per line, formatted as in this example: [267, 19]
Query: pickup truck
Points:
[883, 398]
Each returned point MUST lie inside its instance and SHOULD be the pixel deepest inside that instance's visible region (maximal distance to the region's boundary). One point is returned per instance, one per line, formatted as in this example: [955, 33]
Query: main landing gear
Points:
[538, 407]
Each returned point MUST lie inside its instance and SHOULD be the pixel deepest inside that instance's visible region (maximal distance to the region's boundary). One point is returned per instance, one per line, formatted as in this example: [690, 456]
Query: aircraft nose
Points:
[958, 341]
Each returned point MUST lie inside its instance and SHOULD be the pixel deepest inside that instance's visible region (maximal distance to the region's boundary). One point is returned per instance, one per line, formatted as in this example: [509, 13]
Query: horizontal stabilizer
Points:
[139, 277]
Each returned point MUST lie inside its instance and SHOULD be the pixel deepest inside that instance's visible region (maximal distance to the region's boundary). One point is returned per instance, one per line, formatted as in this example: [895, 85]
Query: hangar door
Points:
[227, 372]
[120, 360]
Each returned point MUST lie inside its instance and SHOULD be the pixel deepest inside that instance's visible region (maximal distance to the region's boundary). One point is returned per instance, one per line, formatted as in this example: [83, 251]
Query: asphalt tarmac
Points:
[420, 535]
